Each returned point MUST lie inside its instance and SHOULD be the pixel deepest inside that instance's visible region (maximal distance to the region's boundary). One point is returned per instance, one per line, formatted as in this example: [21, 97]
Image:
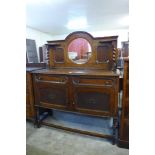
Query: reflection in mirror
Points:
[79, 51]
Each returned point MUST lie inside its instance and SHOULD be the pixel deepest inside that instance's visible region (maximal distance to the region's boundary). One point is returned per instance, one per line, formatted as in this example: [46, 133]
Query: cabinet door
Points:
[51, 91]
[94, 96]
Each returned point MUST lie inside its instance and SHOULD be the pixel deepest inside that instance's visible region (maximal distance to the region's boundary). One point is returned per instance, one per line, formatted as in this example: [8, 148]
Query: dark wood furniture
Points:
[29, 88]
[123, 140]
[85, 83]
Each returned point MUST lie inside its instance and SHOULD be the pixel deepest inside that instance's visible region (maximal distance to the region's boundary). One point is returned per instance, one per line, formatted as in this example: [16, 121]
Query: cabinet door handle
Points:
[73, 102]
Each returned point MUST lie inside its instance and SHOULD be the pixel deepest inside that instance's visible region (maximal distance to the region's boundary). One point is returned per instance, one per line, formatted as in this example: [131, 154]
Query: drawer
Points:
[91, 81]
[58, 79]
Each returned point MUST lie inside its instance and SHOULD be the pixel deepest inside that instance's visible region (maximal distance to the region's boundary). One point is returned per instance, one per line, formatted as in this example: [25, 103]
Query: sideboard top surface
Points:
[76, 72]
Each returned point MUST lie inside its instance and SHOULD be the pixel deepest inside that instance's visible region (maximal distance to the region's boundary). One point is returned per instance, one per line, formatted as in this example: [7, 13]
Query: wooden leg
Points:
[50, 112]
[35, 122]
[118, 124]
[113, 140]
[37, 118]
[41, 114]
[114, 130]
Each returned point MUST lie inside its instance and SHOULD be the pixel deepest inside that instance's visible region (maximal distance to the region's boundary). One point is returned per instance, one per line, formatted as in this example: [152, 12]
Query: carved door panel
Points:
[92, 96]
[59, 55]
[51, 92]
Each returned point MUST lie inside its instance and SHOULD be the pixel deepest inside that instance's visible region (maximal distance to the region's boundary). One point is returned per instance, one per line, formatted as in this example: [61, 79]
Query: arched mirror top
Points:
[79, 48]
[79, 34]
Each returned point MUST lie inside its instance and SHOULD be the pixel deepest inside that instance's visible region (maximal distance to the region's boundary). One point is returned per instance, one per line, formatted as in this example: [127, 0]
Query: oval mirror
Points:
[79, 51]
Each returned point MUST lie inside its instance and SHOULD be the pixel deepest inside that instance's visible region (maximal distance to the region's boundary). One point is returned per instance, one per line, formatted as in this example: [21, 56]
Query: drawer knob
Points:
[106, 82]
[62, 80]
[39, 78]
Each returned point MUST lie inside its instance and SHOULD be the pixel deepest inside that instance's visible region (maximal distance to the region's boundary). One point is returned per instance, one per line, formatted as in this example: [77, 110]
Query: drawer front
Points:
[93, 82]
[51, 79]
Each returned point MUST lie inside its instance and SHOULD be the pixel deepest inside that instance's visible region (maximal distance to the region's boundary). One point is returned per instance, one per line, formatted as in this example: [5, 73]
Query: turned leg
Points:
[114, 130]
[37, 118]
[50, 112]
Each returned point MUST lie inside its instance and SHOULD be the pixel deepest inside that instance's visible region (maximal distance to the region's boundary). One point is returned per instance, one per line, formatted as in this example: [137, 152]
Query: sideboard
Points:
[81, 77]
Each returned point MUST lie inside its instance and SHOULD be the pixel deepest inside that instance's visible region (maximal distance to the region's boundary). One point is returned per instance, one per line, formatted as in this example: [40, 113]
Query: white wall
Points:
[122, 35]
[41, 38]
